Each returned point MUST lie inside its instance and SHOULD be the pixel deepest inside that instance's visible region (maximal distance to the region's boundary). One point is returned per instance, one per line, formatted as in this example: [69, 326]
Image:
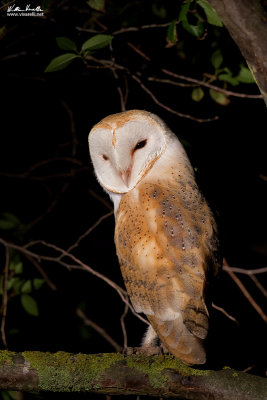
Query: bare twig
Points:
[255, 271]
[222, 310]
[72, 127]
[4, 312]
[138, 51]
[170, 82]
[50, 208]
[246, 293]
[126, 30]
[42, 272]
[124, 332]
[42, 163]
[77, 264]
[153, 97]
[111, 65]
[98, 329]
[139, 28]
[119, 89]
[7, 4]
[100, 198]
[208, 85]
[86, 233]
[259, 285]
[263, 177]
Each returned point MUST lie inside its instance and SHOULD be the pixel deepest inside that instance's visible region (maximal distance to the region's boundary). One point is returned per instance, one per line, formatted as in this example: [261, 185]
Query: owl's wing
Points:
[165, 240]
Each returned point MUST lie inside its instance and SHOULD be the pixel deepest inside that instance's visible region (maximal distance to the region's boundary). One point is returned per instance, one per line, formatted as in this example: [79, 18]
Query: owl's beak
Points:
[126, 175]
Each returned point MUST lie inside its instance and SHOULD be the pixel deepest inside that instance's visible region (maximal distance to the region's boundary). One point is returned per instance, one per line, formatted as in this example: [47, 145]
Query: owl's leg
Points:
[150, 337]
[149, 342]
[148, 345]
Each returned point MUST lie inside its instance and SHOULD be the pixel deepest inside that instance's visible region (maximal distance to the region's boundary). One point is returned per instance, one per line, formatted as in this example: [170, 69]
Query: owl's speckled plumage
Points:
[165, 236]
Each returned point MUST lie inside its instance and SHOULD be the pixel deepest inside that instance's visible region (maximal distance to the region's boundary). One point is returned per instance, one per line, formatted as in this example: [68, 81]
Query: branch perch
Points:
[114, 374]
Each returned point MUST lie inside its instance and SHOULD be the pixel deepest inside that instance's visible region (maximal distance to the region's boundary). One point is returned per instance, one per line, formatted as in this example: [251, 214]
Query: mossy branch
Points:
[246, 23]
[162, 376]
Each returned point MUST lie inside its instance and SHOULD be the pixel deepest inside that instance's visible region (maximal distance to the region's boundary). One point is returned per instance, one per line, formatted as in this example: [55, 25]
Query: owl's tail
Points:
[175, 336]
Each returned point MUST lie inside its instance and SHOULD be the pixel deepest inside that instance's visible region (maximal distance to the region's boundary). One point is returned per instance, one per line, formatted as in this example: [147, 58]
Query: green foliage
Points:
[61, 62]
[38, 283]
[197, 94]
[183, 12]
[9, 221]
[65, 43]
[2, 31]
[172, 33]
[29, 304]
[219, 97]
[212, 16]
[96, 42]
[195, 29]
[227, 76]
[98, 5]
[20, 286]
[9, 395]
[245, 76]
[216, 59]
[26, 287]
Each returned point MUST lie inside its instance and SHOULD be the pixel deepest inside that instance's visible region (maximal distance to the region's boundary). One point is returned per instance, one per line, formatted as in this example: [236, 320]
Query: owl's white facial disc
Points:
[123, 148]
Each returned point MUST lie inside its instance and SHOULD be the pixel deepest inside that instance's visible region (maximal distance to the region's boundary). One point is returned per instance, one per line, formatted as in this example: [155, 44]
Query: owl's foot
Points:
[148, 350]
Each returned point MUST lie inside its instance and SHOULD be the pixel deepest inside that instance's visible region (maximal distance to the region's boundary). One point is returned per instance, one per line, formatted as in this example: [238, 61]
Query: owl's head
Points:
[124, 146]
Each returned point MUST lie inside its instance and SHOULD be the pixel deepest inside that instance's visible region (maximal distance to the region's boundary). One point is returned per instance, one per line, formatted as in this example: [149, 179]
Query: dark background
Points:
[57, 201]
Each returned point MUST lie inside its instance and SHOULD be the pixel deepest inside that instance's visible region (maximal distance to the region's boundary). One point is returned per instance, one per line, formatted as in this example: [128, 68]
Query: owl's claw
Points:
[148, 350]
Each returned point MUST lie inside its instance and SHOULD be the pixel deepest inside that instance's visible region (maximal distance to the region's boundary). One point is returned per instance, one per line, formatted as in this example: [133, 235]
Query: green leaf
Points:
[195, 30]
[96, 42]
[172, 33]
[61, 62]
[158, 10]
[219, 97]
[197, 94]
[46, 4]
[29, 304]
[65, 43]
[38, 283]
[98, 5]
[26, 287]
[14, 282]
[245, 76]
[16, 266]
[226, 77]
[11, 217]
[212, 16]
[6, 225]
[216, 59]
[4, 395]
[13, 395]
[183, 12]
[2, 31]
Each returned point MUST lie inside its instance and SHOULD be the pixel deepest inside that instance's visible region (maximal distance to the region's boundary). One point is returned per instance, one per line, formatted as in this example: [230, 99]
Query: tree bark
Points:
[161, 376]
[247, 24]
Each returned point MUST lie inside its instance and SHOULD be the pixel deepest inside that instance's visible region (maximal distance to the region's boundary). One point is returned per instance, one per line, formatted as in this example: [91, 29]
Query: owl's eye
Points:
[140, 145]
[104, 157]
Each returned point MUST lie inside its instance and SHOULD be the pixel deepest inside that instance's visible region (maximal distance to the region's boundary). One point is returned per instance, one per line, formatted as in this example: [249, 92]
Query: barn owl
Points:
[165, 234]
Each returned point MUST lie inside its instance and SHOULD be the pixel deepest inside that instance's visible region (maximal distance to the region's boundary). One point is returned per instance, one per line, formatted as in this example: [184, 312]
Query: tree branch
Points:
[162, 376]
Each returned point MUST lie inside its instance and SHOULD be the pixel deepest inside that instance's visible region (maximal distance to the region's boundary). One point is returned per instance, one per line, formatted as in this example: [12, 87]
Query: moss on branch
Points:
[113, 373]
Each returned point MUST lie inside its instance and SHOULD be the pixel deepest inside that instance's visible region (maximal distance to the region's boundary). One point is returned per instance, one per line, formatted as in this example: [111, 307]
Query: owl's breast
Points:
[165, 223]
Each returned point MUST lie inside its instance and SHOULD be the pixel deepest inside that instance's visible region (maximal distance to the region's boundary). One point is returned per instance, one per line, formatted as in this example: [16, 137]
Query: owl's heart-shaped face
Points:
[123, 148]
